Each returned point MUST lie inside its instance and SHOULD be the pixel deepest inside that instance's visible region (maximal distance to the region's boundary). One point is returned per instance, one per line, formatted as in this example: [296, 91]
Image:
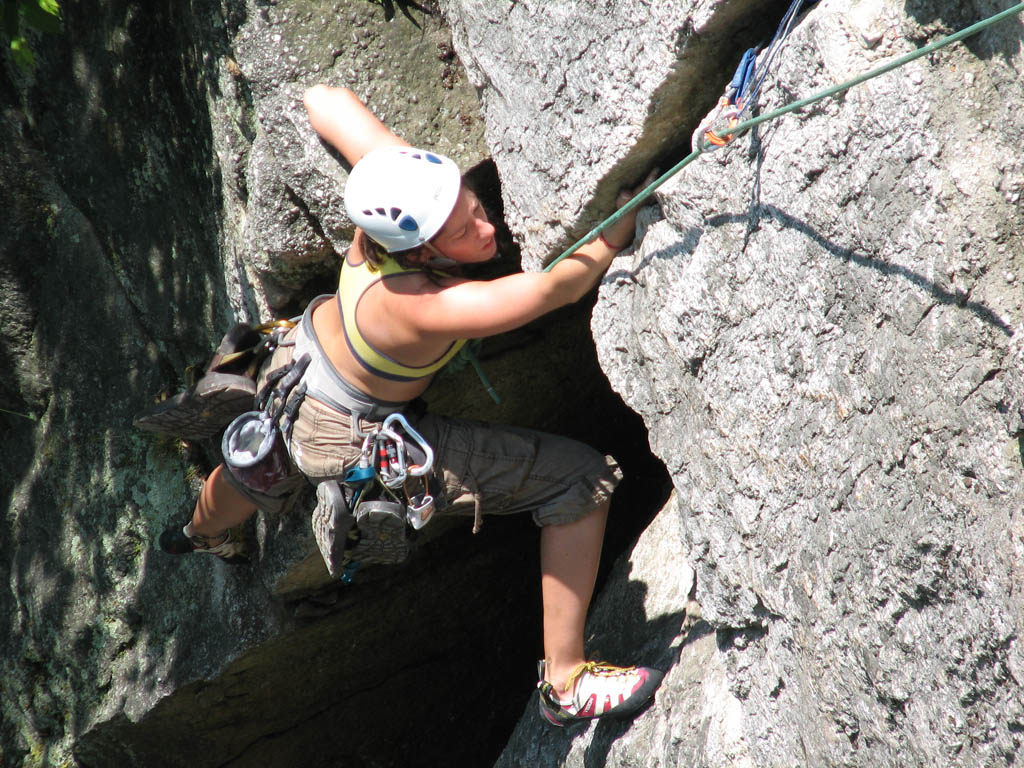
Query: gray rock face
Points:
[820, 327]
[817, 331]
[580, 99]
[108, 226]
[155, 169]
[159, 181]
[644, 615]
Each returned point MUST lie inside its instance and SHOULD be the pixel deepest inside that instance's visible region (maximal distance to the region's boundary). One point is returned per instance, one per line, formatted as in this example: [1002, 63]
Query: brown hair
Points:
[375, 253]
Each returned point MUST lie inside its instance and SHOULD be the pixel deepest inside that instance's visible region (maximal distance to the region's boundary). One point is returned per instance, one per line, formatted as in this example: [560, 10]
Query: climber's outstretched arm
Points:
[344, 121]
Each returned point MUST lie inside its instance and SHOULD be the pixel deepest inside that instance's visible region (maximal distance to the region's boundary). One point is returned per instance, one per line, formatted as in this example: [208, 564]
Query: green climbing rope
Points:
[748, 124]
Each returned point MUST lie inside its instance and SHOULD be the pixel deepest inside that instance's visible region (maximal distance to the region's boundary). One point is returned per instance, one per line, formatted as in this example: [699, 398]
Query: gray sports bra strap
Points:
[326, 384]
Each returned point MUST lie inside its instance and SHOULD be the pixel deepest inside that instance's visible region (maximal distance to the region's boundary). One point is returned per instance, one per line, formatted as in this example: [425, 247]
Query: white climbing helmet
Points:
[402, 196]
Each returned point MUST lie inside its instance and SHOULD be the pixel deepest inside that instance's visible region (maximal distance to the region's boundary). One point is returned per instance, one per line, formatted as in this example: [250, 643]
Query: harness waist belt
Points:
[326, 384]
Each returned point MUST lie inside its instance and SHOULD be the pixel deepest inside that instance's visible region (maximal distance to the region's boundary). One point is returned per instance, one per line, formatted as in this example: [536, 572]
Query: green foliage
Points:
[15, 15]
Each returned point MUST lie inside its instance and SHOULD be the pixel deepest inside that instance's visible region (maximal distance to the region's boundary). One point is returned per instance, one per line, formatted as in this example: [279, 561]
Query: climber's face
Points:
[467, 236]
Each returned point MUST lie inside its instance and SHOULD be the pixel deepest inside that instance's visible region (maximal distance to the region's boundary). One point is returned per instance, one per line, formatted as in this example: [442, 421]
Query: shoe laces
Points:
[227, 549]
[222, 545]
[225, 545]
[604, 679]
[598, 669]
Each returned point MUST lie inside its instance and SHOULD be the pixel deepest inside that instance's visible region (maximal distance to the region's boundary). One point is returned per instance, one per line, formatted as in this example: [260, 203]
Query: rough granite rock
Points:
[106, 224]
[583, 98]
[644, 616]
[820, 328]
[158, 182]
[821, 331]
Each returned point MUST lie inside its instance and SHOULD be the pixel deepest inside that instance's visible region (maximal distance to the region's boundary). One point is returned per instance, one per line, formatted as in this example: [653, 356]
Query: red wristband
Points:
[612, 247]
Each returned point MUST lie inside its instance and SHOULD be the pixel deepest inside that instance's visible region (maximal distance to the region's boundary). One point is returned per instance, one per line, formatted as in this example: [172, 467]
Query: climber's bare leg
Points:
[569, 557]
[219, 506]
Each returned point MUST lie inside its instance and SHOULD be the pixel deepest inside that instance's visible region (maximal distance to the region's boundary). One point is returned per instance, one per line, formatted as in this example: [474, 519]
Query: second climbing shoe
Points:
[184, 541]
[202, 411]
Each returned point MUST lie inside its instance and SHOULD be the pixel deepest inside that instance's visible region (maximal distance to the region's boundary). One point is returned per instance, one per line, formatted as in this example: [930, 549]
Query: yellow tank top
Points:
[353, 283]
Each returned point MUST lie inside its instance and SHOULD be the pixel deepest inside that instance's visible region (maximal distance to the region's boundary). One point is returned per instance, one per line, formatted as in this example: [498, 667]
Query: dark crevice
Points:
[308, 216]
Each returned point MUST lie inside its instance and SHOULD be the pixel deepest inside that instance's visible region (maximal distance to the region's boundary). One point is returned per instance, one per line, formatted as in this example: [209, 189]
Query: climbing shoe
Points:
[383, 535]
[202, 411]
[183, 541]
[601, 690]
[226, 390]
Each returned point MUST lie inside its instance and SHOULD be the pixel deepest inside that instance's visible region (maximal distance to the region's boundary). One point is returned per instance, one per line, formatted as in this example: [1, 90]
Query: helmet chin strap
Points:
[438, 259]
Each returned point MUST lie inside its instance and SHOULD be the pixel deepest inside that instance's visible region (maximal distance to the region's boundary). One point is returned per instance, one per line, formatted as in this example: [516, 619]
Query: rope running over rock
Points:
[641, 196]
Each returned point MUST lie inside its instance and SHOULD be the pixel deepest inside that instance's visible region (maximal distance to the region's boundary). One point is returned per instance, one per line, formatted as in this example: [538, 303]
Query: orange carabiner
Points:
[720, 141]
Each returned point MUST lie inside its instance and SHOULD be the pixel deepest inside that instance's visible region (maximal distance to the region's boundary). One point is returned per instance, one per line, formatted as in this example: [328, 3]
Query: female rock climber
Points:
[398, 317]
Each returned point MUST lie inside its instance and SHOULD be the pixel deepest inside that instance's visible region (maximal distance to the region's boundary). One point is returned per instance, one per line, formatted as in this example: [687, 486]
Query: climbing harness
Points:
[745, 125]
[366, 516]
[323, 381]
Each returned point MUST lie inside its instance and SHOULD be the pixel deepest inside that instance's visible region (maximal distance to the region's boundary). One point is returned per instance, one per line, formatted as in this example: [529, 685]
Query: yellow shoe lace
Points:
[598, 668]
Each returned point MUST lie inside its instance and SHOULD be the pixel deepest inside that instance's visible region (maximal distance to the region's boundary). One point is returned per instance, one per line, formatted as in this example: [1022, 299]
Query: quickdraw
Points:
[746, 83]
[733, 103]
[376, 528]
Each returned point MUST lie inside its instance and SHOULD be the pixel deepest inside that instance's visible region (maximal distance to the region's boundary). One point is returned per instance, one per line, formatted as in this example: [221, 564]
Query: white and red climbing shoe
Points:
[602, 690]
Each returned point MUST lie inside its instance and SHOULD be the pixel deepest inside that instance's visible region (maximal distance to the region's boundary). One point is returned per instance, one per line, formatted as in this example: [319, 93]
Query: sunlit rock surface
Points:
[581, 99]
[820, 327]
[819, 330]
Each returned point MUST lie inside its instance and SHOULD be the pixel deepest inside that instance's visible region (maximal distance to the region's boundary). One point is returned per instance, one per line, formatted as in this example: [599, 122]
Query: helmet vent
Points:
[381, 211]
[395, 213]
[408, 223]
[434, 159]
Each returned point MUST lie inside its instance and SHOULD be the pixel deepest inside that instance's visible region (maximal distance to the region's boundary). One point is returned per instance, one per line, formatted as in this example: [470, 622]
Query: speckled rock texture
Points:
[820, 326]
[821, 330]
[158, 182]
[155, 169]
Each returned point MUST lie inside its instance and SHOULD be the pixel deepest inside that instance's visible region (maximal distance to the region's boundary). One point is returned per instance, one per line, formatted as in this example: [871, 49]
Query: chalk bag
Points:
[254, 451]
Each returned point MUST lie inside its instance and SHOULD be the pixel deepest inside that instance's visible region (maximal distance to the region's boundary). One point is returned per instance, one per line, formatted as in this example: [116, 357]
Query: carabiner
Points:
[416, 470]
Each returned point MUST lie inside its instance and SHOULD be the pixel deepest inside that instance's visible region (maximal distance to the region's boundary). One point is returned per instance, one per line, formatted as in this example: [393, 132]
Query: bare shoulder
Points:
[426, 285]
